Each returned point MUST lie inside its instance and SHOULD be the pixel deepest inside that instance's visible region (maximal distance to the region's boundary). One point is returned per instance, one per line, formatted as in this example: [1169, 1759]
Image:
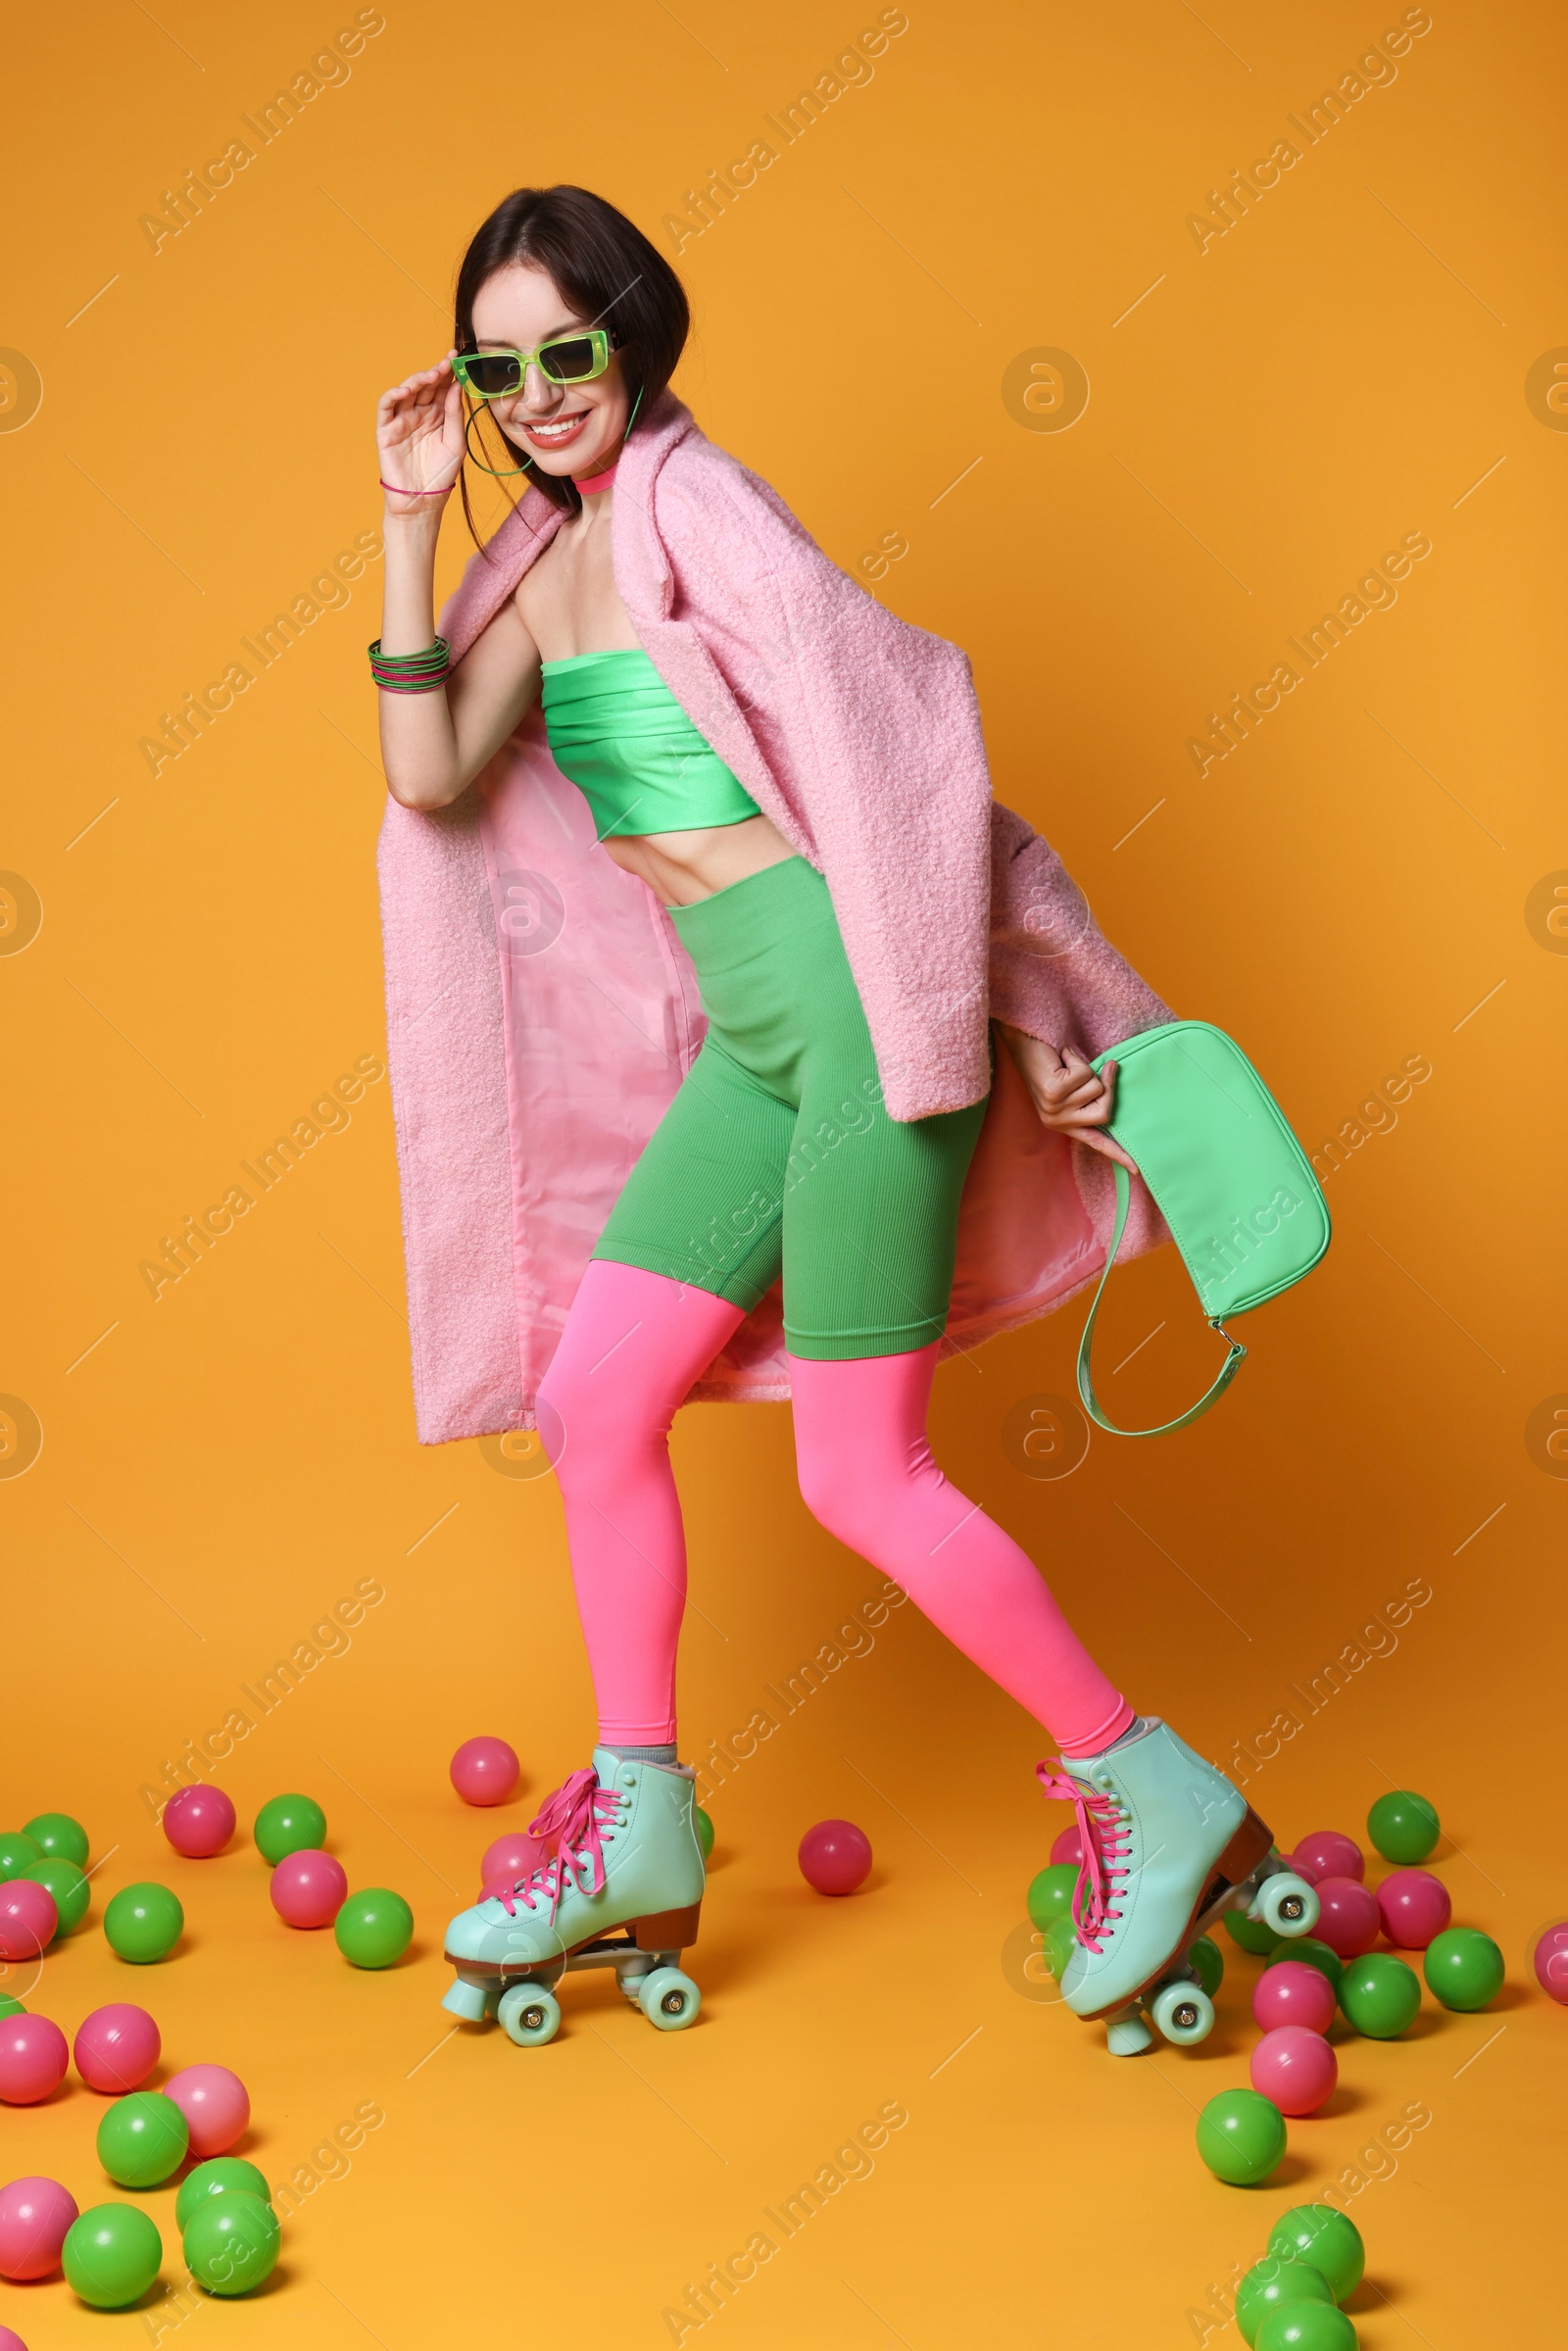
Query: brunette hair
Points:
[606, 268]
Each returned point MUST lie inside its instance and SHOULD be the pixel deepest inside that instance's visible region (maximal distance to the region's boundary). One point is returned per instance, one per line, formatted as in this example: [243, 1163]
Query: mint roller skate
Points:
[621, 1887]
[1169, 1844]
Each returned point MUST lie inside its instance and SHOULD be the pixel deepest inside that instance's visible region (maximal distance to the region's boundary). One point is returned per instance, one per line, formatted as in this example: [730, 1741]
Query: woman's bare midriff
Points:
[682, 867]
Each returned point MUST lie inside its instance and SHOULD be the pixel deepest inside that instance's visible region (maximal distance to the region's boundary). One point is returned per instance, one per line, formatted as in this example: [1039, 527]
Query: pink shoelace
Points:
[1102, 1830]
[569, 1826]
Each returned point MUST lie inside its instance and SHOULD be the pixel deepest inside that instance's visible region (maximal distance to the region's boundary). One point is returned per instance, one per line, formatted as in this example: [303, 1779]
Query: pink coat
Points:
[541, 1011]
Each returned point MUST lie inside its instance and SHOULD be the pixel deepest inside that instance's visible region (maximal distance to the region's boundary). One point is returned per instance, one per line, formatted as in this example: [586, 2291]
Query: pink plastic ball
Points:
[1551, 1962]
[1413, 1907]
[9, 2340]
[35, 2215]
[308, 1887]
[1327, 1854]
[1349, 1919]
[1291, 1993]
[1296, 2068]
[33, 2058]
[510, 1858]
[1069, 1847]
[116, 2047]
[29, 1919]
[835, 1857]
[214, 2103]
[198, 1822]
[485, 1771]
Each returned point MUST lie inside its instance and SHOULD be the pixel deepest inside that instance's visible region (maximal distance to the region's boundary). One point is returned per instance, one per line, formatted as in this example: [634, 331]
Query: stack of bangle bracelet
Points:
[411, 672]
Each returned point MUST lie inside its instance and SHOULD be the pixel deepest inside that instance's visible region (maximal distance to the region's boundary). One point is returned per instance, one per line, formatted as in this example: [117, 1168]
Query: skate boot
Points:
[621, 1887]
[1168, 1845]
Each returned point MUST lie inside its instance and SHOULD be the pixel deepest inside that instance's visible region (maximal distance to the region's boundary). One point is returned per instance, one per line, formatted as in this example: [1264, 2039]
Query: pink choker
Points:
[590, 482]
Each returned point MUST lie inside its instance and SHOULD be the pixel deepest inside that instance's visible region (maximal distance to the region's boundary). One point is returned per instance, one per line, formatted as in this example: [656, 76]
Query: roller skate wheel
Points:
[1288, 1903]
[530, 2015]
[668, 1999]
[1183, 2013]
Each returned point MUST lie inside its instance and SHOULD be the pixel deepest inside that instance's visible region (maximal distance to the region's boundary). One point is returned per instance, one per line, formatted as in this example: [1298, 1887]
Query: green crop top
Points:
[618, 731]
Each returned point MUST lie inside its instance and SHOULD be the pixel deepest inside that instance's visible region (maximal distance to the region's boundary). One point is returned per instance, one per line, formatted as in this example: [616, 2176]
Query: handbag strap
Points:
[1086, 1386]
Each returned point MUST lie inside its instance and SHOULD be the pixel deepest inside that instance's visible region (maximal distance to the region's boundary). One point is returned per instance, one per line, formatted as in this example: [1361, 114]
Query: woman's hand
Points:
[418, 438]
[1069, 1096]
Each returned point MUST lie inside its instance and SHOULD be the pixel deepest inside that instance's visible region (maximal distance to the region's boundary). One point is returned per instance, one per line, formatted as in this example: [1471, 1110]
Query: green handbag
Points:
[1226, 1173]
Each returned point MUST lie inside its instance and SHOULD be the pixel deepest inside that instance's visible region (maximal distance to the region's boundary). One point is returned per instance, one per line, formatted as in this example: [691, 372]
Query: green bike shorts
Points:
[776, 1154]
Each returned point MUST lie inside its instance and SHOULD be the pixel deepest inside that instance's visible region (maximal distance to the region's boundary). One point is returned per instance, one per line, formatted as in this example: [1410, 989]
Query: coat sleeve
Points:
[869, 728]
[1054, 973]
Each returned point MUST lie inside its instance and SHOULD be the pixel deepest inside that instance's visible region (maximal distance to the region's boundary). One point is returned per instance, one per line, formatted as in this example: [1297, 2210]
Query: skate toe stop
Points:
[465, 2000]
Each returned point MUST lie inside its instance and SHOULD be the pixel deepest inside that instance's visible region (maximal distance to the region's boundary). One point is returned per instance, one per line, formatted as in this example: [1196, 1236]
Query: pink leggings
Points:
[633, 1345]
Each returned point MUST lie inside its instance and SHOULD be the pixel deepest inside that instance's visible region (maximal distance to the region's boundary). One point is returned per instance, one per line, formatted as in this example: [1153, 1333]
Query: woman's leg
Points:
[866, 1472]
[633, 1345]
[619, 1840]
[870, 1227]
[689, 1246]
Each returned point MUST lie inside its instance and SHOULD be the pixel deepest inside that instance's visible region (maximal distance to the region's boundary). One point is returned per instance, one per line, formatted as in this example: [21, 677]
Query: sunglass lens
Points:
[570, 361]
[491, 372]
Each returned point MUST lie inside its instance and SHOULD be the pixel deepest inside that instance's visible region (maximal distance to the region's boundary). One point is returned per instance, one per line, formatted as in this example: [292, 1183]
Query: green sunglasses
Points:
[568, 360]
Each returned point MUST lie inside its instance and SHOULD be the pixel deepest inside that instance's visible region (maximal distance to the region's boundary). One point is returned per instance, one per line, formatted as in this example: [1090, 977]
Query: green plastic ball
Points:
[1318, 2235]
[705, 1832]
[1404, 1826]
[111, 2255]
[1312, 1953]
[1059, 1941]
[231, 2243]
[1207, 1962]
[289, 1824]
[373, 1929]
[1272, 2283]
[143, 2140]
[58, 1833]
[1379, 1995]
[1307, 2326]
[219, 2176]
[1241, 2136]
[69, 1886]
[11, 2007]
[1049, 1895]
[15, 1852]
[1250, 1933]
[143, 1922]
[1463, 1968]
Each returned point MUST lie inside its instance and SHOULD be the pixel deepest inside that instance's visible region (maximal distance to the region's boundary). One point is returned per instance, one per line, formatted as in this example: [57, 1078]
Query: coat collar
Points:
[645, 454]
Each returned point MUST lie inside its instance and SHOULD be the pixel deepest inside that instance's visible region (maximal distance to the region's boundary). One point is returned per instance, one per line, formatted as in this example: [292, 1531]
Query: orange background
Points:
[1365, 881]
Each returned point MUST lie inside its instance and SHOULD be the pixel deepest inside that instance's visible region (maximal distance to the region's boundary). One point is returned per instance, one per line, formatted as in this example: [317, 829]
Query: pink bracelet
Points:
[398, 491]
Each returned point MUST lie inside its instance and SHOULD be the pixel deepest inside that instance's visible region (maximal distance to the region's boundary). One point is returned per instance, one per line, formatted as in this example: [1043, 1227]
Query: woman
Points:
[749, 783]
